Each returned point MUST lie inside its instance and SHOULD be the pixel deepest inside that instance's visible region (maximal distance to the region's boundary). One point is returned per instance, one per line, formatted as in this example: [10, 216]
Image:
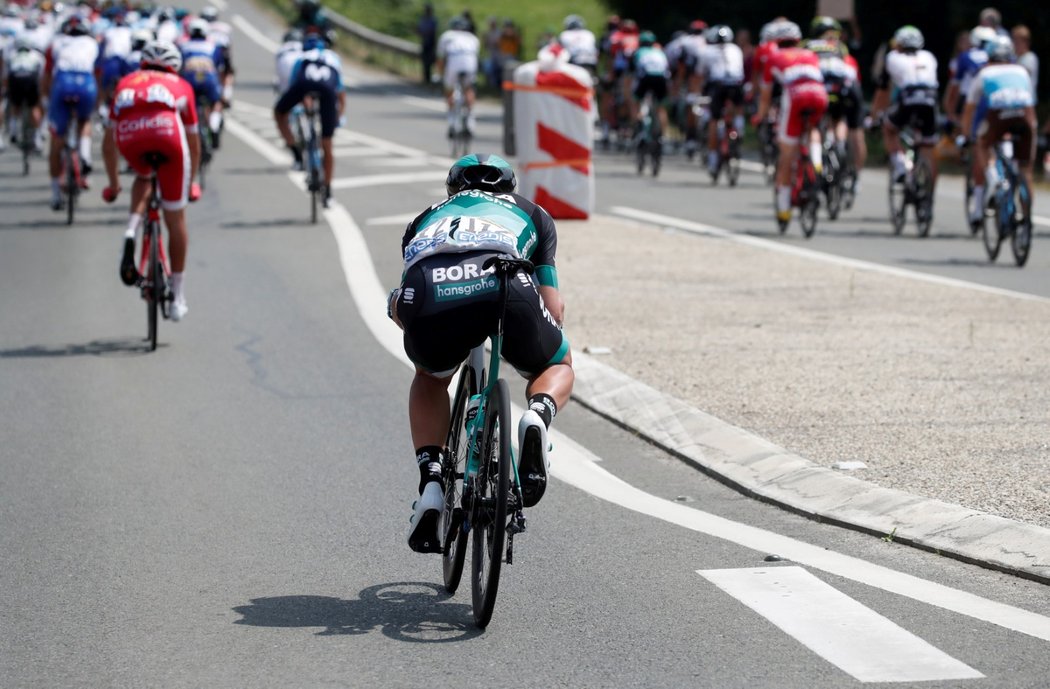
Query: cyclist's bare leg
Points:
[929, 155]
[428, 409]
[284, 128]
[859, 146]
[178, 238]
[329, 160]
[788, 151]
[555, 381]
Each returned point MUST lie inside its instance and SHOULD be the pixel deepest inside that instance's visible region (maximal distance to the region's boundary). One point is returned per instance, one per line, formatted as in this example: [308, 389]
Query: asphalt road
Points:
[230, 510]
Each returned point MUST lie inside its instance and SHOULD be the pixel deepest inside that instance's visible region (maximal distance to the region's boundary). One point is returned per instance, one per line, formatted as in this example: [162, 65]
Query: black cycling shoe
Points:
[129, 274]
[326, 196]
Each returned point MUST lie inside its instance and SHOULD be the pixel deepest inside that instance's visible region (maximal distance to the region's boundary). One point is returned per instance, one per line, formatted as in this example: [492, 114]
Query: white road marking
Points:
[436, 105]
[579, 467]
[782, 247]
[220, 4]
[854, 638]
[402, 219]
[380, 180]
[259, 37]
[1040, 220]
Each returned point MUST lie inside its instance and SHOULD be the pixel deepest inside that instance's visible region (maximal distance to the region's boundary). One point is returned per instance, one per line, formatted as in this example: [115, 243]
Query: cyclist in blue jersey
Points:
[202, 62]
[447, 304]
[319, 71]
[69, 78]
[967, 65]
[1000, 102]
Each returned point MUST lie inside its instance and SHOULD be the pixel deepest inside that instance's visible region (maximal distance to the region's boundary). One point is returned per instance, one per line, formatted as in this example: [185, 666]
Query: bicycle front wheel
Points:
[489, 512]
[809, 200]
[1021, 240]
[71, 187]
[453, 536]
[898, 203]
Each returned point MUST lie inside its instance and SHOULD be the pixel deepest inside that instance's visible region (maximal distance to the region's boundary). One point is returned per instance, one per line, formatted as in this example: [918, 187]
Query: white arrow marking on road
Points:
[578, 466]
[854, 638]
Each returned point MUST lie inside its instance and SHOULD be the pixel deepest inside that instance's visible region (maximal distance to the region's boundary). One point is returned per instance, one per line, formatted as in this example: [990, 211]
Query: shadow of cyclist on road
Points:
[406, 611]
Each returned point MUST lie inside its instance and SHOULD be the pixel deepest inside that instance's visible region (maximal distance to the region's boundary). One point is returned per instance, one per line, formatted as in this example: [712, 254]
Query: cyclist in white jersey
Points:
[11, 25]
[580, 42]
[288, 54]
[22, 67]
[721, 71]
[457, 53]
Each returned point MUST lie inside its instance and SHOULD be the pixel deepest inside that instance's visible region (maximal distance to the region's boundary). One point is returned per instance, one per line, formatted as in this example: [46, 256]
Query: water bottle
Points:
[473, 405]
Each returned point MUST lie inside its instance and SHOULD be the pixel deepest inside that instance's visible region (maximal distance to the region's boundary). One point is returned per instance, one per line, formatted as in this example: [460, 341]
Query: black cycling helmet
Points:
[481, 171]
[821, 25]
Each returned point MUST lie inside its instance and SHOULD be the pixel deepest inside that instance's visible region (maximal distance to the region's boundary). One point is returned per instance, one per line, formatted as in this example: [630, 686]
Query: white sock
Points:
[85, 149]
[738, 124]
[783, 198]
[978, 197]
[816, 155]
[56, 188]
[215, 121]
[176, 286]
[134, 220]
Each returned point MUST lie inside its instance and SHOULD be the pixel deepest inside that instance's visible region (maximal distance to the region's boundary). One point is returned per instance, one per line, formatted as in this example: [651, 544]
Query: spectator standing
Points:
[510, 41]
[1025, 57]
[427, 31]
[991, 18]
[493, 59]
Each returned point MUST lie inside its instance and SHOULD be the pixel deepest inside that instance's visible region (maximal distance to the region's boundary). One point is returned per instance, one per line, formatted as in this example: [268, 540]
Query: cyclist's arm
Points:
[880, 102]
[970, 109]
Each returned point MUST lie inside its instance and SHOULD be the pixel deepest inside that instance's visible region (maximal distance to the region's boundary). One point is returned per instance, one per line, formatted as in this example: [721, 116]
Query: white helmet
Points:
[198, 28]
[980, 35]
[162, 54]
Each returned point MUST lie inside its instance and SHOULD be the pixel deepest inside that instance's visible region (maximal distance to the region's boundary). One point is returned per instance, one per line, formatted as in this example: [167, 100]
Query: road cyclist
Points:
[721, 70]
[650, 87]
[317, 74]
[1000, 106]
[803, 104]
[202, 67]
[153, 126]
[457, 56]
[446, 304]
[69, 79]
[23, 66]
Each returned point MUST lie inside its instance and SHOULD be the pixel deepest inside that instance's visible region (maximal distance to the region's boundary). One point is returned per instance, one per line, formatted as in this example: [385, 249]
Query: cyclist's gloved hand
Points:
[195, 192]
[756, 120]
[961, 141]
[110, 194]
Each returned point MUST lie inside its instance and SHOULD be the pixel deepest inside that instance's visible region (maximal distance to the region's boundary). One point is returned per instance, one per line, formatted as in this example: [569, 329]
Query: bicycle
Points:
[916, 189]
[805, 188]
[768, 148]
[1011, 206]
[728, 152]
[483, 498]
[968, 206]
[647, 139]
[459, 134]
[839, 175]
[306, 134]
[154, 269]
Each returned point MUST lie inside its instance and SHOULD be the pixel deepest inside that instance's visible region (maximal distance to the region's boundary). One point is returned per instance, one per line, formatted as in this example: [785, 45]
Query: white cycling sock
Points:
[85, 149]
[978, 198]
[176, 286]
[56, 188]
[134, 220]
[215, 121]
[783, 198]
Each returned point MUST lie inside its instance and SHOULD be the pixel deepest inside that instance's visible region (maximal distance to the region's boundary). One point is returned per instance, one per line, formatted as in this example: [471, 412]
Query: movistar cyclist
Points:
[319, 71]
[447, 304]
[1000, 102]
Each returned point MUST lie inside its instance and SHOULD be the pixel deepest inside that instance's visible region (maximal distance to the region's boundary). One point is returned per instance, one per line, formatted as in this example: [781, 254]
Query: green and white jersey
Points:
[482, 221]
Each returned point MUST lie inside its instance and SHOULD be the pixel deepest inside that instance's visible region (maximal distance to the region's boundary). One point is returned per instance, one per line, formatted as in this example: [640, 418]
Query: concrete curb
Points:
[761, 469]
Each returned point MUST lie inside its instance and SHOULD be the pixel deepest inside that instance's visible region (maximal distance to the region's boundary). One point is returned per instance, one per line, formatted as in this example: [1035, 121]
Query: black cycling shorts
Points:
[448, 305]
[327, 103]
[845, 101]
[921, 118]
[722, 94]
[23, 91]
[651, 83]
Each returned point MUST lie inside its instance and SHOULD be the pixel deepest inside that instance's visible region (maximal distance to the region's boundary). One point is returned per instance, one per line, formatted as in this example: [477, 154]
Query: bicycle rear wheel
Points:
[968, 202]
[809, 200]
[898, 203]
[154, 286]
[71, 186]
[453, 537]
[1021, 240]
[991, 234]
[923, 197]
[733, 164]
[489, 511]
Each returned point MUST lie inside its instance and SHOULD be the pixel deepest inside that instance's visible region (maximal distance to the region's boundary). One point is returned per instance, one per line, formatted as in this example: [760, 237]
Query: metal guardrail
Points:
[389, 52]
